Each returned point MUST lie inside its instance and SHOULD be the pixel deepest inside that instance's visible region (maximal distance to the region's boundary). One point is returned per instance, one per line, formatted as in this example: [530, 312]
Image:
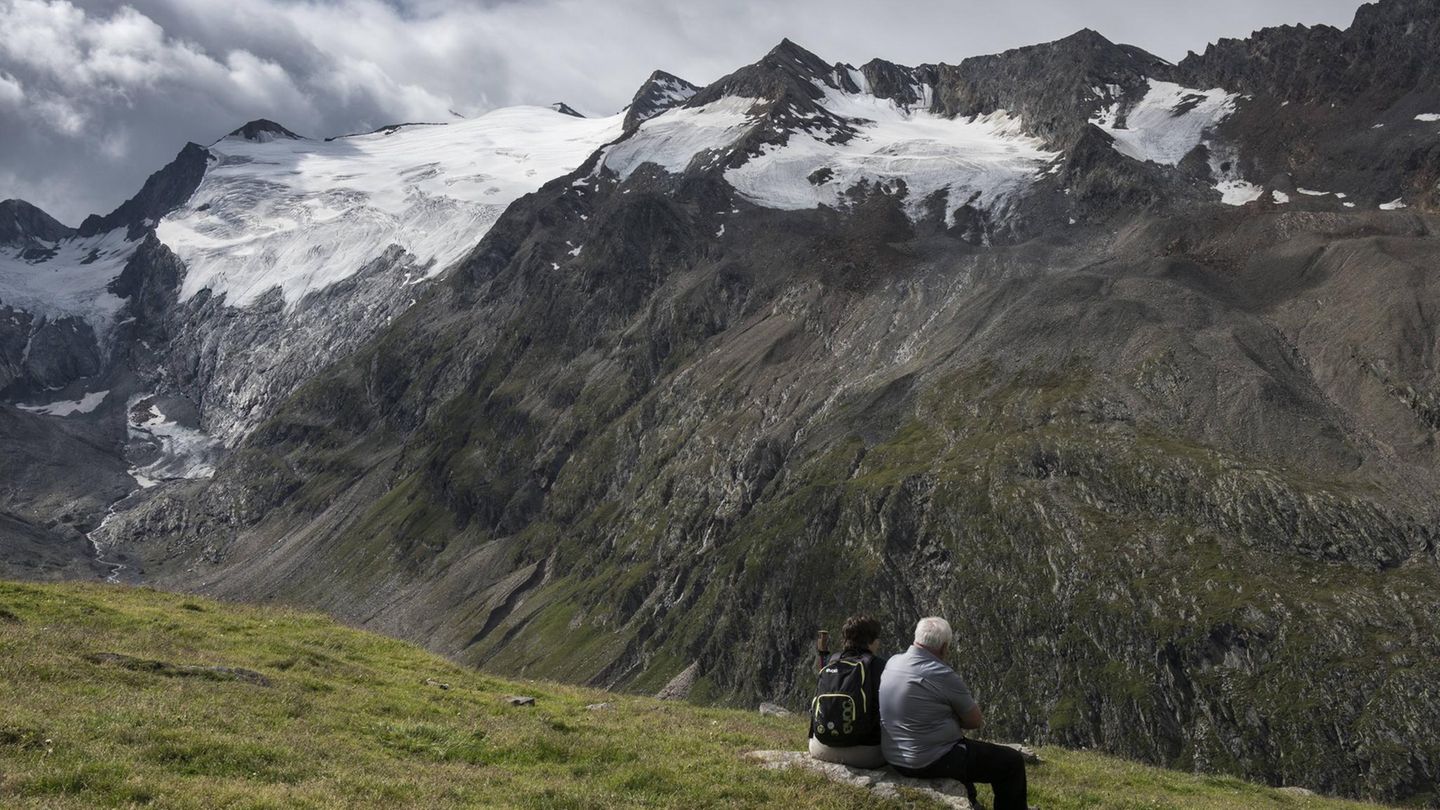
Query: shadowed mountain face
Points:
[23, 224]
[1127, 371]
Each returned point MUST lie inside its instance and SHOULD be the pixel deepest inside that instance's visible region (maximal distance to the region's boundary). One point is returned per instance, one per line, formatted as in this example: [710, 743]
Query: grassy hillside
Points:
[351, 719]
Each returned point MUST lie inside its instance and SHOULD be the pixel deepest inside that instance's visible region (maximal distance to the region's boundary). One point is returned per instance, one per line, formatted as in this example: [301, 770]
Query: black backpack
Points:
[841, 714]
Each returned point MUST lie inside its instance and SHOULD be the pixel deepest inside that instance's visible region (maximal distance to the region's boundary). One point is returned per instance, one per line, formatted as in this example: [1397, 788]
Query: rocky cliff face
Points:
[1126, 370]
[659, 93]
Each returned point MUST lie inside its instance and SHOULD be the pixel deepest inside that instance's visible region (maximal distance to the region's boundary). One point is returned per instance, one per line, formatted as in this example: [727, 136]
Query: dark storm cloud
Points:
[95, 95]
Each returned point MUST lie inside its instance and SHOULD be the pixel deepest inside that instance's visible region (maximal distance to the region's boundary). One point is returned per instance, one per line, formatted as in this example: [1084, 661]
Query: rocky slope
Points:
[1126, 367]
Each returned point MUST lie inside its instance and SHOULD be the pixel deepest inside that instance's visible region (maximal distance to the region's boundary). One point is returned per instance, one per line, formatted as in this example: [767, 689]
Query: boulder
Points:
[885, 782]
[1031, 756]
[774, 710]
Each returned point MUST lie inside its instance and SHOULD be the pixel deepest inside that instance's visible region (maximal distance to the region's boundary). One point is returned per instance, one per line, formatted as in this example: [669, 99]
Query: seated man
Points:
[925, 707]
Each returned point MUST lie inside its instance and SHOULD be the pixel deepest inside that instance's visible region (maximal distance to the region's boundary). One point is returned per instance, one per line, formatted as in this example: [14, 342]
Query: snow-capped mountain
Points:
[266, 213]
[851, 140]
[276, 211]
[57, 312]
[1132, 361]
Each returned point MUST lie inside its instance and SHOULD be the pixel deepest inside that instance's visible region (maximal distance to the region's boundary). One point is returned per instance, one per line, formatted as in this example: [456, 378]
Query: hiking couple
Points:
[910, 711]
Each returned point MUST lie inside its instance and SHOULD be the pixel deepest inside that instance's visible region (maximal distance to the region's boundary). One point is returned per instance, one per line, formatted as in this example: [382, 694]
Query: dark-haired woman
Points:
[845, 718]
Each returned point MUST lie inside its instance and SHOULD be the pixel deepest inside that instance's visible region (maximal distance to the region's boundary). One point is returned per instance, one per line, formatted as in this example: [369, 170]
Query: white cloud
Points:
[11, 91]
[59, 114]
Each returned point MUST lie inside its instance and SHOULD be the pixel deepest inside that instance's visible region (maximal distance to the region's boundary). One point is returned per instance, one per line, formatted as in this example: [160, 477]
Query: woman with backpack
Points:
[845, 715]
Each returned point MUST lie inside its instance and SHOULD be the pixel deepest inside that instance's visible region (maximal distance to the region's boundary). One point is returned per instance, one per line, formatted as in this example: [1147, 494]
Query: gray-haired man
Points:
[925, 708]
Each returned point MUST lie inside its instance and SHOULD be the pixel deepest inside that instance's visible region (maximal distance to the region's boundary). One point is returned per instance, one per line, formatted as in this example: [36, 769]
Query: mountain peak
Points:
[1048, 85]
[1087, 36]
[1386, 54]
[663, 76]
[789, 46]
[787, 74]
[163, 191]
[263, 130]
[24, 224]
[660, 92]
[788, 52]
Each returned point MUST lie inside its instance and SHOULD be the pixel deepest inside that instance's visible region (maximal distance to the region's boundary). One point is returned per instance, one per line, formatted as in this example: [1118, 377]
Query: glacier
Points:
[302, 214]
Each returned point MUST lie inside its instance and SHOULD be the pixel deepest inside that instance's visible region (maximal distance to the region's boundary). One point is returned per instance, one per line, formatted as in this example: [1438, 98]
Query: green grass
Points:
[349, 721]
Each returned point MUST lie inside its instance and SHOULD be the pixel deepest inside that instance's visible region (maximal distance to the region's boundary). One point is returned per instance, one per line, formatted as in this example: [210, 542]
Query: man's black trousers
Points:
[973, 761]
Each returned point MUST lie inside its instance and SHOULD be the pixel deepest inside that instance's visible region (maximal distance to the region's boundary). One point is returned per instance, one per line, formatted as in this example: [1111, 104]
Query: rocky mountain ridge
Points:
[1128, 372]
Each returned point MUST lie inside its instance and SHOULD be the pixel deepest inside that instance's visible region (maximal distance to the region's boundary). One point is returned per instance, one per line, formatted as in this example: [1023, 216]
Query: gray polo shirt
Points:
[921, 701]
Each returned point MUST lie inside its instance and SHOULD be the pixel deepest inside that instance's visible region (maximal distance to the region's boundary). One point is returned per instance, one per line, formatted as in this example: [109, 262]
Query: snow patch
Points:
[667, 92]
[301, 214]
[1428, 117]
[85, 404]
[69, 278]
[183, 452]
[983, 160]
[675, 137]
[1394, 205]
[1168, 123]
[1280, 197]
[1238, 192]
[1106, 116]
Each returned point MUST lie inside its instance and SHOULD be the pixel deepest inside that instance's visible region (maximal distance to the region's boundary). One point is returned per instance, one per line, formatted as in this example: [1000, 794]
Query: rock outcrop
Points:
[885, 783]
[659, 93]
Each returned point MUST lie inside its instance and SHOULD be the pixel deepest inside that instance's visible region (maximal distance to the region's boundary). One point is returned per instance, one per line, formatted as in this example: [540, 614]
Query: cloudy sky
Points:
[96, 95]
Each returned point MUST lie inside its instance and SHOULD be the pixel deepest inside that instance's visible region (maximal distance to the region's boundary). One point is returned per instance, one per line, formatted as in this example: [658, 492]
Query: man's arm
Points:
[963, 703]
[972, 719]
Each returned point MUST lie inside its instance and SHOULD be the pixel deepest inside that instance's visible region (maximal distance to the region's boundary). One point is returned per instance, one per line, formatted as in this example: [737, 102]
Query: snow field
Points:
[184, 452]
[984, 159]
[303, 214]
[72, 282]
[1168, 122]
[84, 404]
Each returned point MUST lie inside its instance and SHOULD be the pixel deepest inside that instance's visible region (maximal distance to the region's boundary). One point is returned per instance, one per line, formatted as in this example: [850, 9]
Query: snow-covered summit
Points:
[794, 132]
[301, 214]
[263, 130]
